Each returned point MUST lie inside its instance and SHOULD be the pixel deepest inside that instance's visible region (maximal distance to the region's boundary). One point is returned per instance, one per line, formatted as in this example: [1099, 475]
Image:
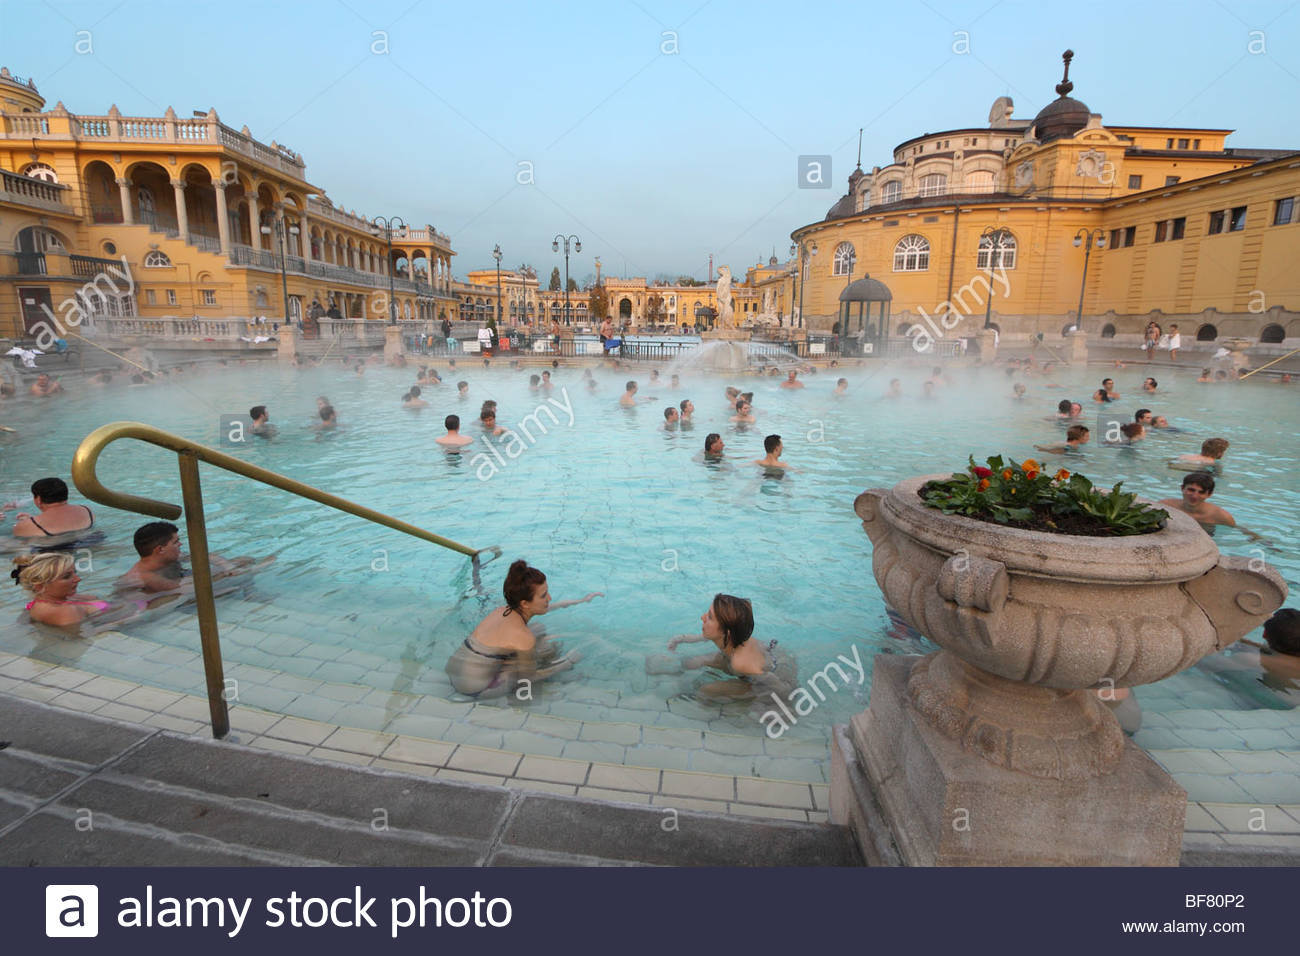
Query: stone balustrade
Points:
[32, 192]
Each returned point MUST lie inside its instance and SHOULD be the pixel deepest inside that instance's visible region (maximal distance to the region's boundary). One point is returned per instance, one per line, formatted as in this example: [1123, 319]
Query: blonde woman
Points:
[52, 578]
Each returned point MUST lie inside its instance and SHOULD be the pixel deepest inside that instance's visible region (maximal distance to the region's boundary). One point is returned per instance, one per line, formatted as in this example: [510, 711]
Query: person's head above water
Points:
[34, 571]
[1282, 631]
[771, 443]
[256, 412]
[152, 536]
[1200, 479]
[1214, 447]
[534, 381]
[670, 414]
[713, 444]
[463, 386]
[732, 616]
[1108, 383]
[1142, 415]
[630, 386]
[50, 490]
[1063, 406]
[452, 423]
[1077, 433]
[525, 590]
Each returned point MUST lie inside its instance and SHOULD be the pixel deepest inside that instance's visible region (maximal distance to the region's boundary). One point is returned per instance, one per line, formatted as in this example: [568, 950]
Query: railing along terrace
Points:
[241, 255]
[26, 189]
[173, 327]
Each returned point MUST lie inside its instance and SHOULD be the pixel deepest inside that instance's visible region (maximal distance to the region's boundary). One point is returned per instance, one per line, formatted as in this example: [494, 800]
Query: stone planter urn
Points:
[996, 750]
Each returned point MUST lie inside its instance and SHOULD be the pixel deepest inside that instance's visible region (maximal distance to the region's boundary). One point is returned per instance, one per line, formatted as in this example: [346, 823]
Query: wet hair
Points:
[414, 392]
[683, 403]
[1101, 395]
[462, 385]
[732, 391]
[1137, 416]
[546, 374]
[256, 412]
[452, 423]
[326, 412]
[534, 379]
[1076, 432]
[1105, 380]
[709, 439]
[629, 386]
[841, 381]
[487, 412]
[771, 442]
[669, 412]
[50, 490]
[1214, 447]
[1131, 430]
[740, 403]
[748, 396]
[1154, 383]
[1282, 631]
[521, 584]
[489, 403]
[1063, 406]
[31, 571]
[153, 535]
[1202, 479]
[1019, 389]
[736, 618]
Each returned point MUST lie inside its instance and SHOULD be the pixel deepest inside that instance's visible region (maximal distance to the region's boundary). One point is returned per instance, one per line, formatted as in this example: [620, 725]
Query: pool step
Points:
[686, 736]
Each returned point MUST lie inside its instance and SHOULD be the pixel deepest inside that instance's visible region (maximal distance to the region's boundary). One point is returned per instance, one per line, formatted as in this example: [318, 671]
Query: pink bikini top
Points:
[97, 605]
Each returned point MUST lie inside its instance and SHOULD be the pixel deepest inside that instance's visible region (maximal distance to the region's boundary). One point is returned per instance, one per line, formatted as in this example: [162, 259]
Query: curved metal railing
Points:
[189, 454]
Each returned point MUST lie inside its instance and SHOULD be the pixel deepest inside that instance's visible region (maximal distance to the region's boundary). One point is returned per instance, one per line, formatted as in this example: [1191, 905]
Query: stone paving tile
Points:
[358, 741]
[301, 685]
[280, 746]
[463, 733]
[786, 747]
[688, 803]
[779, 813]
[149, 698]
[592, 695]
[266, 698]
[733, 745]
[302, 731]
[553, 726]
[625, 734]
[541, 786]
[8, 683]
[594, 751]
[343, 756]
[704, 785]
[787, 768]
[415, 750]
[521, 741]
[106, 687]
[499, 718]
[671, 737]
[433, 707]
[24, 668]
[252, 721]
[343, 693]
[615, 796]
[362, 717]
[40, 692]
[1269, 787]
[433, 728]
[1268, 761]
[1191, 761]
[467, 776]
[1158, 738]
[116, 711]
[623, 778]
[1271, 840]
[669, 719]
[62, 677]
[1211, 788]
[74, 701]
[707, 762]
[665, 758]
[181, 725]
[423, 770]
[1199, 818]
[1216, 739]
[556, 771]
[314, 708]
[481, 760]
[815, 816]
[821, 795]
[1245, 818]
[774, 793]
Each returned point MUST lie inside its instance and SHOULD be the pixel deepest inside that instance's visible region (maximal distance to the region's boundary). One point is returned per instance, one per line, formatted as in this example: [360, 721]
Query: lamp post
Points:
[284, 277]
[996, 237]
[805, 254]
[496, 254]
[385, 226]
[1086, 237]
[577, 247]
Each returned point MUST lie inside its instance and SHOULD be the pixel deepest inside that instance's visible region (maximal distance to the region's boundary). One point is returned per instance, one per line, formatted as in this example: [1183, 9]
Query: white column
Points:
[182, 214]
[304, 236]
[223, 218]
[124, 189]
[254, 222]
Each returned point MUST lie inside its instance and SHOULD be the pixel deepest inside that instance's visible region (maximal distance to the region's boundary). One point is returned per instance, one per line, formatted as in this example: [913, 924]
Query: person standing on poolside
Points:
[1175, 343]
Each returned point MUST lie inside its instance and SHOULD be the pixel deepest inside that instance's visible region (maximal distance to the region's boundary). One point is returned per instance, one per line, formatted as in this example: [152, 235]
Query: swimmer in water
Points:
[628, 398]
[841, 386]
[686, 410]
[895, 389]
[412, 399]
[1143, 417]
[503, 650]
[1211, 456]
[328, 419]
[671, 417]
[57, 517]
[1205, 378]
[1197, 488]
[744, 413]
[462, 390]
[262, 426]
[1017, 391]
[534, 383]
[713, 445]
[756, 669]
[772, 445]
[1076, 436]
[51, 577]
[1245, 666]
[1149, 385]
[159, 569]
[1106, 393]
[792, 380]
[488, 419]
[453, 440]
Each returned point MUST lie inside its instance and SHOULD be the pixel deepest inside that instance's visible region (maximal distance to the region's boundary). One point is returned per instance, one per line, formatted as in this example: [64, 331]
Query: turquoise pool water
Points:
[610, 502]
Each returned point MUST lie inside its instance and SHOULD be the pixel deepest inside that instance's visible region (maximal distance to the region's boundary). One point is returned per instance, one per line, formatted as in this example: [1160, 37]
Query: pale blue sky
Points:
[655, 159]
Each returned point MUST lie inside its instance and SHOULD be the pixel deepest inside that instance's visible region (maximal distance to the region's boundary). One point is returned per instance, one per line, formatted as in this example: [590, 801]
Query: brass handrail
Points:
[189, 454]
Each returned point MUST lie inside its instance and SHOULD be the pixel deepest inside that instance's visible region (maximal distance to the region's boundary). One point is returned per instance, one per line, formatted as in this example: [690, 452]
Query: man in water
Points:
[412, 399]
[792, 380]
[159, 569]
[713, 445]
[628, 398]
[462, 390]
[1197, 488]
[488, 419]
[670, 419]
[841, 386]
[44, 386]
[453, 439]
[1075, 436]
[744, 413]
[546, 382]
[675, 382]
[772, 445]
[1107, 392]
[1143, 417]
[328, 418]
[1212, 452]
[262, 426]
[1149, 385]
[687, 410]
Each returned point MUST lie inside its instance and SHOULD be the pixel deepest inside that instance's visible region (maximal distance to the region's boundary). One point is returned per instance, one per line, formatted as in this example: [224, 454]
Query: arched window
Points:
[1108, 331]
[41, 171]
[912, 254]
[1207, 333]
[935, 184]
[997, 254]
[979, 181]
[891, 192]
[845, 257]
[1272, 334]
[157, 260]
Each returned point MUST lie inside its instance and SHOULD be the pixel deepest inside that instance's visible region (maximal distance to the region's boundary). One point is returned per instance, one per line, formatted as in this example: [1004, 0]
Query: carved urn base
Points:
[898, 779]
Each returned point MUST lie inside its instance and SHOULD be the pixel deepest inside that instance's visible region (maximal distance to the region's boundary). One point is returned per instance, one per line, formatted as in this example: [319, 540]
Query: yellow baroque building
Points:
[996, 219]
[211, 224]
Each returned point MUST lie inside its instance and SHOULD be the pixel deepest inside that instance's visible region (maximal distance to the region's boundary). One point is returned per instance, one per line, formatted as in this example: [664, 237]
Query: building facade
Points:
[209, 222]
[1002, 220]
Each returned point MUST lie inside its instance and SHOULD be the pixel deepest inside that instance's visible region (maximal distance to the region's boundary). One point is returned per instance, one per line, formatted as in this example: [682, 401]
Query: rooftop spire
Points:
[860, 145]
[1065, 86]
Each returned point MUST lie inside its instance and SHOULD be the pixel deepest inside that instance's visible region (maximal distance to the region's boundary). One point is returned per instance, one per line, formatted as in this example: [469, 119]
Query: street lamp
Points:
[496, 254]
[1086, 237]
[997, 240]
[577, 247]
[385, 226]
[806, 253]
[284, 278]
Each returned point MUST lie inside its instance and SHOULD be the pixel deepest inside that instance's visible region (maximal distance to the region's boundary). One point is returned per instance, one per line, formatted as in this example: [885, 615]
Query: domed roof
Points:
[845, 207]
[1063, 116]
[866, 289]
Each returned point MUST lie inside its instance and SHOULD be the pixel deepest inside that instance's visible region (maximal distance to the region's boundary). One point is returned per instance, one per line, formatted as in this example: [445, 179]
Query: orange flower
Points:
[1061, 475]
[984, 483]
[1030, 465]
[1031, 473]
[1006, 474]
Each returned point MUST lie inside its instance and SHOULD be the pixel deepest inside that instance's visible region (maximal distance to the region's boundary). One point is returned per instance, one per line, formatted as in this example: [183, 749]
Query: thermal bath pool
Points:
[354, 623]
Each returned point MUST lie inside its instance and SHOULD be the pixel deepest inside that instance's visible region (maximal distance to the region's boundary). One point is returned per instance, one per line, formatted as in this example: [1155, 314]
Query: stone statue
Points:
[726, 314]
